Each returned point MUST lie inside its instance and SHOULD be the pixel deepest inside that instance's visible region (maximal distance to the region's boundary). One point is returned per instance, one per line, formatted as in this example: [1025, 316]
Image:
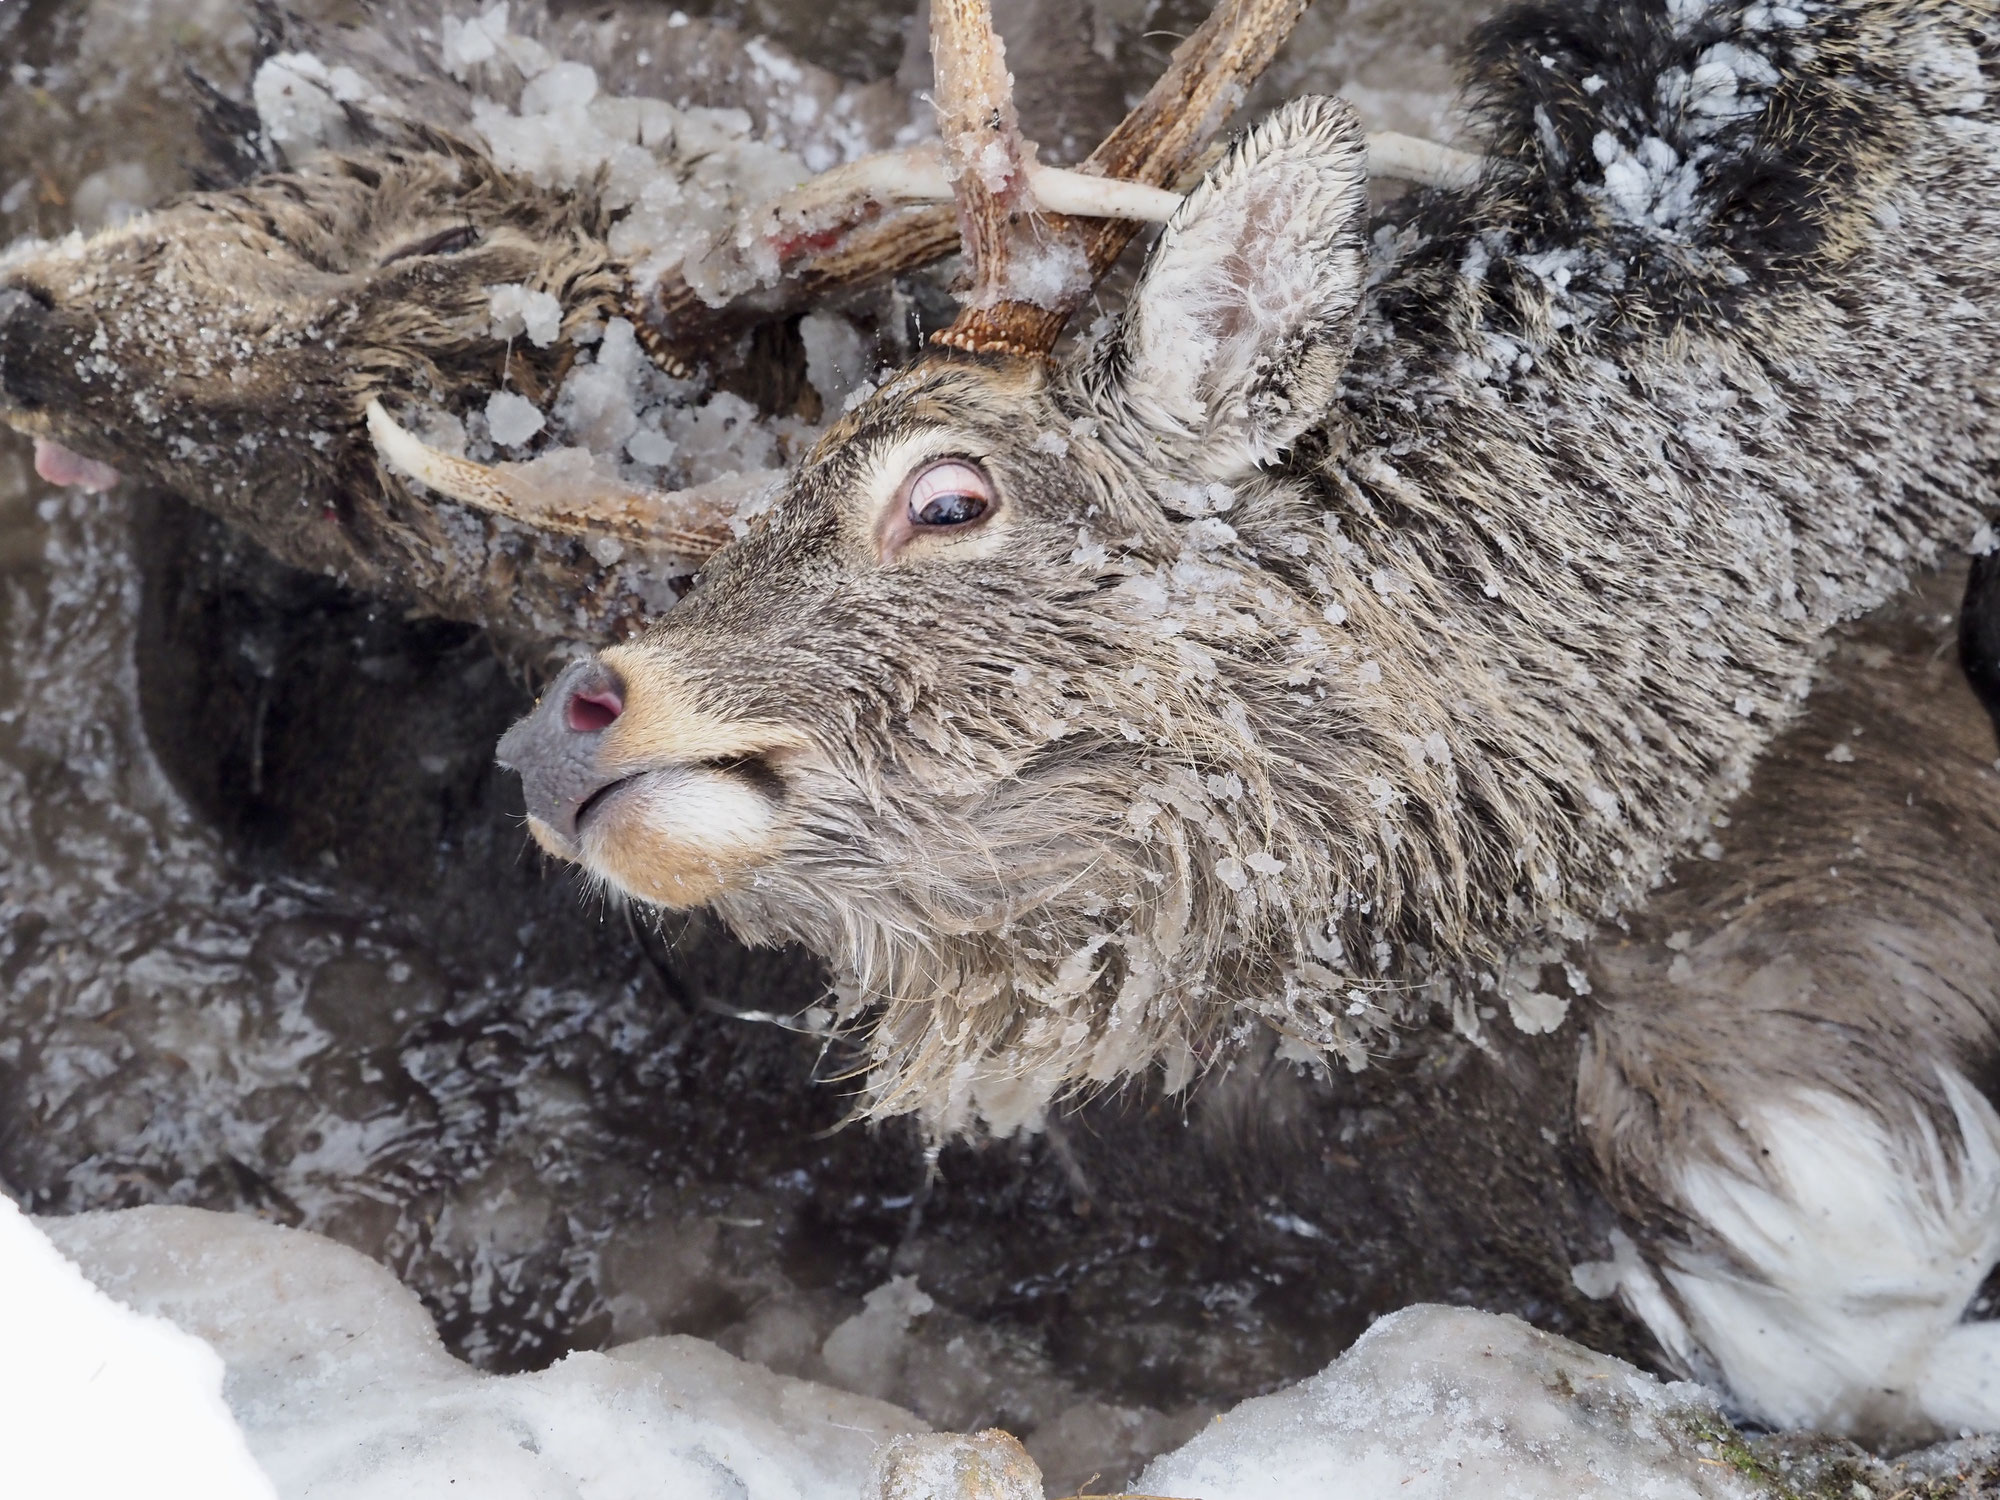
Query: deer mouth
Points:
[21, 405]
[55, 462]
[677, 834]
[595, 802]
[60, 465]
[685, 803]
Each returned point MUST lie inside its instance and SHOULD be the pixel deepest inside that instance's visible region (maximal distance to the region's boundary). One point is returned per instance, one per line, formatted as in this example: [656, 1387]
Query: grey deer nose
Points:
[557, 749]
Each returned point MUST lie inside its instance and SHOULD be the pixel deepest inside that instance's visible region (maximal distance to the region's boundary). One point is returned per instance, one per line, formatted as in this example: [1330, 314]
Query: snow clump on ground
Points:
[338, 1385]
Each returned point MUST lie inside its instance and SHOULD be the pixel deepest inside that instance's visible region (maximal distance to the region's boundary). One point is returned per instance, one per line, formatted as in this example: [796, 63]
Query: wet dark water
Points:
[329, 987]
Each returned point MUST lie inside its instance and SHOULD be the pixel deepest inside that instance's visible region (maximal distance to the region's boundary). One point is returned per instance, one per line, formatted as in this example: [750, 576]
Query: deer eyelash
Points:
[444, 242]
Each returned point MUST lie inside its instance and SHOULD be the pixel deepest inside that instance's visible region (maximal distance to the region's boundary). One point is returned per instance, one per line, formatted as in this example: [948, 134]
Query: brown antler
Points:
[1023, 264]
[864, 237]
[556, 494]
[1156, 144]
[1030, 266]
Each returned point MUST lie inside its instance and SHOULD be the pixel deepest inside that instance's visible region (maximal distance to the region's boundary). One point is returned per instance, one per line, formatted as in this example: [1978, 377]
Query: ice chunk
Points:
[866, 1352]
[1436, 1402]
[112, 195]
[567, 85]
[518, 310]
[600, 401]
[723, 435]
[100, 1400]
[512, 419]
[467, 44]
[649, 447]
[836, 356]
[302, 103]
[956, 1466]
[344, 1391]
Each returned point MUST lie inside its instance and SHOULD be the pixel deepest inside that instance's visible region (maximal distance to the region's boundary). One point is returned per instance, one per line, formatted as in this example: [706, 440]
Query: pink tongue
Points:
[58, 465]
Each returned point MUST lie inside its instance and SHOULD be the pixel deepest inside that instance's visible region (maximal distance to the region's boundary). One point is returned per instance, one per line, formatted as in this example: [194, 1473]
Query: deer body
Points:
[1357, 621]
[1321, 654]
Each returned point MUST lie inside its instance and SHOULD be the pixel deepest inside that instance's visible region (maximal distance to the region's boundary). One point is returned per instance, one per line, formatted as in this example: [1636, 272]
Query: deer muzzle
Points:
[559, 750]
[22, 316]
[625, 773]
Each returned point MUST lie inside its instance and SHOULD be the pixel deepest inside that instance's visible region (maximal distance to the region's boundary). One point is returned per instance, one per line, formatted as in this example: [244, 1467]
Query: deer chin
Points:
[675, 835]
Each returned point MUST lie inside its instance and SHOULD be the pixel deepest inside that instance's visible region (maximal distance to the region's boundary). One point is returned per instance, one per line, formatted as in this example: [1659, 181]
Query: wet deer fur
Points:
[1539, 500]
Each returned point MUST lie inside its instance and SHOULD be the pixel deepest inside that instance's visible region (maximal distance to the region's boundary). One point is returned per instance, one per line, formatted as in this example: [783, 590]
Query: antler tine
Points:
[1206, 81]
[687, 525]
[1022, 263]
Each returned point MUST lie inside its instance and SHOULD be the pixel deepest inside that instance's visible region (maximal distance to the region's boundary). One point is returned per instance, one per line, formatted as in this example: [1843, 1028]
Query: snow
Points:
[1436, 1401]
[81, 1370]
[338, 1386]
[341, 1387]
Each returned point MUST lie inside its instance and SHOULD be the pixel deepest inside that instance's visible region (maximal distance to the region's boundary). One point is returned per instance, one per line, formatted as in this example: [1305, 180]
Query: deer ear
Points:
[1244, 316]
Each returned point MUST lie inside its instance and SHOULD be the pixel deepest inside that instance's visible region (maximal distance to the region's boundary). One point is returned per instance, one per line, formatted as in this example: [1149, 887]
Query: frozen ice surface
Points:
[97, 1400]
[343, 1389]
[1438, 1403]
[339, 1383]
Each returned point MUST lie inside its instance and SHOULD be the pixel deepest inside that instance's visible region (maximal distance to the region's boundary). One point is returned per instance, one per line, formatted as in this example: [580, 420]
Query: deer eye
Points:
[444, 242]
[950, 493]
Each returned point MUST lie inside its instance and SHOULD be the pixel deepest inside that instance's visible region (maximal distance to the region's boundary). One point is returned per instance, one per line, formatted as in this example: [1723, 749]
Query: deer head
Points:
[248, 348]
[988, 707]
[226, 317]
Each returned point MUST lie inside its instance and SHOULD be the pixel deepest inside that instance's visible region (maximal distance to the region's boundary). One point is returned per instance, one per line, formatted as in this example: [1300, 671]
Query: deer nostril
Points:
[588, 713]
